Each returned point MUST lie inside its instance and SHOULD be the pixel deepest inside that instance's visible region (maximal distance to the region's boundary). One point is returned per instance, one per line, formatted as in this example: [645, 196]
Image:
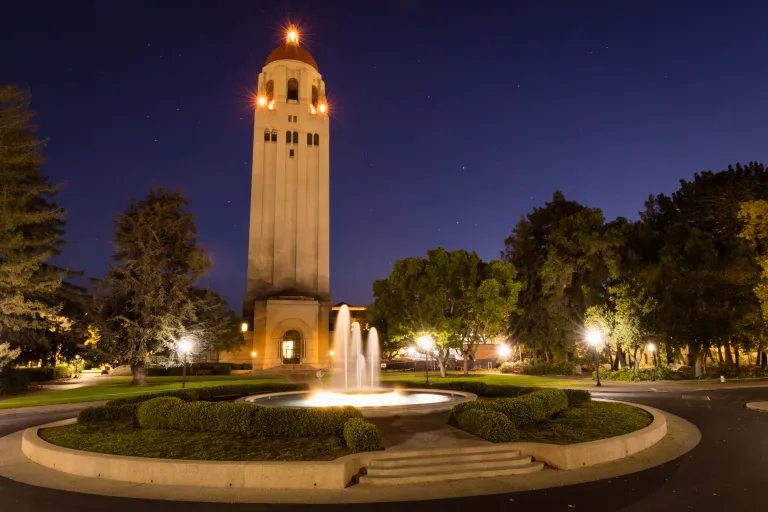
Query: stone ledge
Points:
[758, 406]
[334, 474]
[328, 475]
[582, 455]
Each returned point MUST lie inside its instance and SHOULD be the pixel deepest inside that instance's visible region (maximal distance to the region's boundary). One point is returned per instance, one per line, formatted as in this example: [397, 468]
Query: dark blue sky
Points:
[449, 119]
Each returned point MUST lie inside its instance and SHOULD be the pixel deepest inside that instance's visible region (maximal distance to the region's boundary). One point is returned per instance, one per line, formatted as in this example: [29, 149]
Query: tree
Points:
[701, 272]
[454, 297]
[566, 258]
[31, 224]
[487, 305]
[148, 300]
[7, 355]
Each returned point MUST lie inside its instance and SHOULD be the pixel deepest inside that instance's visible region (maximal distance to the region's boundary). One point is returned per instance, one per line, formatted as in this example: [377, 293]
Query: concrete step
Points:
[433, 452]
[447, 475]
[450, 458]
[428, 466]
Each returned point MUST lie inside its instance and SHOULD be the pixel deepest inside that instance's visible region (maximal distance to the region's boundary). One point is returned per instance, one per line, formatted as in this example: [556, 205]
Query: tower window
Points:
[270, 90]
[295, 137]
[274, 135]
[290, 118]
[295, 119]
[291, 153]
[314, 96]
[266, 135]
[288, 137]
[293, 89]
[317, 140]
[309, 139]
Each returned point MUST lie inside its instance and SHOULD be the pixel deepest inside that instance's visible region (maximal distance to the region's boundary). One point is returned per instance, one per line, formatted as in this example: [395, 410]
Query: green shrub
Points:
[42, 374]
[577, 396]
[62, 371]
[222, 369]
[361, 435]
[532, 407]
[544, 368]
[188, 395]
[13, 381]
[213, 392]
[159, 413]
[489, 425]
[243, 419]
[510, 367]
[628, 374]
[496, 390]
[95, 415]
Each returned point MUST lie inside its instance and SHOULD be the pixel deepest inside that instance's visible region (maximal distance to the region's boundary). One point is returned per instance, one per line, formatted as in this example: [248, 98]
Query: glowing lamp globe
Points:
[425, 342]
[651, 347]
[185, 346]
[594, 337]
[504, 350]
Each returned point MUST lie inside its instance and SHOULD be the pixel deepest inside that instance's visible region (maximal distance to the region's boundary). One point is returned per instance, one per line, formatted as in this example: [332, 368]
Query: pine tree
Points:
[31, 224]
[149, 300]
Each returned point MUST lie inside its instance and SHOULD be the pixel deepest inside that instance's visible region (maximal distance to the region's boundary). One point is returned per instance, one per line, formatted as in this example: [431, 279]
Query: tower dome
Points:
[291, 50]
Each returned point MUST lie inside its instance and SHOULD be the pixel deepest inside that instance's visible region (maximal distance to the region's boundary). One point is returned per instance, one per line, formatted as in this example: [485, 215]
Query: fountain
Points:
[355, 380]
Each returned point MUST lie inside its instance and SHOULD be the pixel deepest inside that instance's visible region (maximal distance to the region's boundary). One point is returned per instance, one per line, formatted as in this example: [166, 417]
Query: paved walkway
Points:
[425, 431]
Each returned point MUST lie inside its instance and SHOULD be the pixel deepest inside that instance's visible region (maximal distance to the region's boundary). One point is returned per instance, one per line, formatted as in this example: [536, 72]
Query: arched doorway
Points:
[290, 347]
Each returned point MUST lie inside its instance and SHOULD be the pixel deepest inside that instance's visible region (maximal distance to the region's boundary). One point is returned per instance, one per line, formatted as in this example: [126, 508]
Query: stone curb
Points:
[758, 406]
[581, 455]
[329, 475]
[334, 474]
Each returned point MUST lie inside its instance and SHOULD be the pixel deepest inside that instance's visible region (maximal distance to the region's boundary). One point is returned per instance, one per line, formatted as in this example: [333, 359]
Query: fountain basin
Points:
[372, 403]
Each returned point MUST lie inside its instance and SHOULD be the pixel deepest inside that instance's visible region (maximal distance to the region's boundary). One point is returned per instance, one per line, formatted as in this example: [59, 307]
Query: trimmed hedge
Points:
[361, 435]
[577, 396]
[96, 415]
[530, 408]
[489, 425]
[43, 374]
[470, 386]
[188, 395]
[212, 393]
[243, 419]
[62, 371]
[13, 381]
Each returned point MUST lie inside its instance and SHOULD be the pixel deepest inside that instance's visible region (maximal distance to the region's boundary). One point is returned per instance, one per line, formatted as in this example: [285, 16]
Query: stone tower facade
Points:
[287, 302]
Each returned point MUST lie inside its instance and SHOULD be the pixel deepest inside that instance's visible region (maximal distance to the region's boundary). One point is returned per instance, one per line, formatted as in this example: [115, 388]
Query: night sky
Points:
[449, 119]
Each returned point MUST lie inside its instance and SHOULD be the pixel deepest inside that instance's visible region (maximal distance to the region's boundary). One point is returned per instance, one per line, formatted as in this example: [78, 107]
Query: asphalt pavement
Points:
[727, 471]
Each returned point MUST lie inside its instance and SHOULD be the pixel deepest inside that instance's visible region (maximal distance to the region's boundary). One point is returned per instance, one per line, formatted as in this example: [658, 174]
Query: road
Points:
[726, 471]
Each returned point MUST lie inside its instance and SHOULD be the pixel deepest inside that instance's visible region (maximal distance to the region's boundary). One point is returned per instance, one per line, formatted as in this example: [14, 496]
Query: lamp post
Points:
[425, 343]
[184, 346]
[77, 364]
[652, 349]
[594, 337]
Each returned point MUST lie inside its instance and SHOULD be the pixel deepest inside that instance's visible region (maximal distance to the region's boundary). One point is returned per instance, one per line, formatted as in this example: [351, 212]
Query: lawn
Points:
[486, 378]
[117, 387]
[587, 422]
[125, 439]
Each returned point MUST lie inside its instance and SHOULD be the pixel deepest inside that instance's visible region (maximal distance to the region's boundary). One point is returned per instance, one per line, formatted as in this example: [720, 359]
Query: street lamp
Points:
[652, 348]
[184, 346]
[426, 343]
[595, 338]
[504, 351]
[77, 363]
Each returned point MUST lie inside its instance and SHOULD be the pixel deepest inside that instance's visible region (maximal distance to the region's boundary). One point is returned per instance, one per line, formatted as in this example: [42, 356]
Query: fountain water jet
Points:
[355, 381]
[356, 369]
